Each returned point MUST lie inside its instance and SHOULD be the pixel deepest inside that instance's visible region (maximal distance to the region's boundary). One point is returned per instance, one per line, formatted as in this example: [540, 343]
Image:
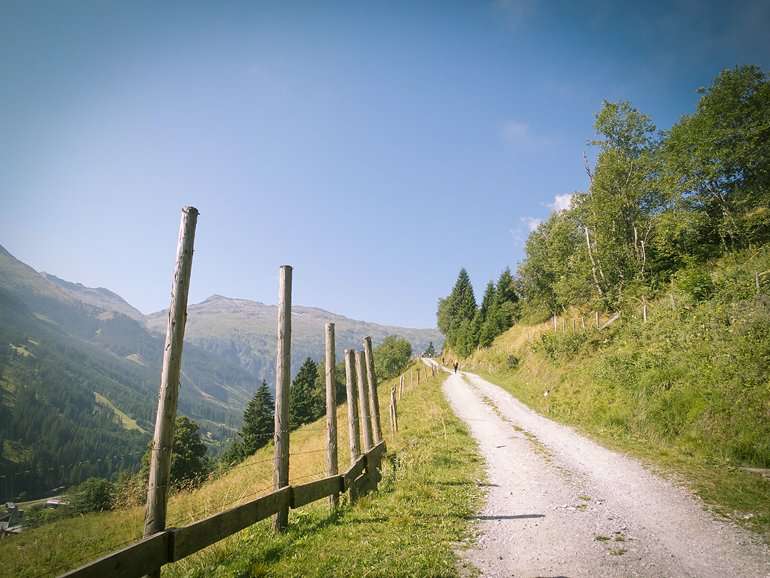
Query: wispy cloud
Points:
[532, 223]
[561, 203]
[518, 135]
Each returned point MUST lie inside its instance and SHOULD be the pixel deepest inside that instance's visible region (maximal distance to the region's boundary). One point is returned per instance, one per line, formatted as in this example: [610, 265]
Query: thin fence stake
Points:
[363, 402]
[282, 378]
[331, 409]
[352, 395]
[371, 378]
[163, 438]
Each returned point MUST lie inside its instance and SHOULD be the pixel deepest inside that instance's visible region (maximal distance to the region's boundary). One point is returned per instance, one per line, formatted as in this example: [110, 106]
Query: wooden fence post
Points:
[371, 378]
[350, 389]
[282, 379]
[363, 402]
[163, 438]
[418, 376]
[554, 322]
[401, 387]
[582, 322]
[597, 319]
[644, 310]
[393, 410]
[331, 409]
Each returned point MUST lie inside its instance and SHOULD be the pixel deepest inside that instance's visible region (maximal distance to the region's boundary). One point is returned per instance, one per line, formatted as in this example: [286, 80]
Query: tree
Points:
[93, 495]
[456, 315]
[430, 351]
[391, 356]
[307, 398]
[189, 463]
[486, 316]
[258, 421]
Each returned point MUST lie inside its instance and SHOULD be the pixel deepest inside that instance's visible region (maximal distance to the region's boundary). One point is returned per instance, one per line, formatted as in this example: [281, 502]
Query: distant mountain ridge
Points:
[87, 362]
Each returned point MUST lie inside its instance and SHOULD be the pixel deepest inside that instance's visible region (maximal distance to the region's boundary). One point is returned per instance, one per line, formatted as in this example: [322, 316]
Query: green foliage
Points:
[189, 464]
[93, 495]
[430, 351]
[694, 281]
[307, 396]
[658, 202]
[467, 327]
[391, 356]
[257, 428]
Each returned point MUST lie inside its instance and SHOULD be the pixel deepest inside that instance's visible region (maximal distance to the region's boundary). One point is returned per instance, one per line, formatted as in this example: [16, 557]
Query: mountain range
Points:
[79, 371]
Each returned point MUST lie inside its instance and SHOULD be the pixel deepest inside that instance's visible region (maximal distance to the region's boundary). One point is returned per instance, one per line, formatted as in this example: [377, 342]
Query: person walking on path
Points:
[456, 365]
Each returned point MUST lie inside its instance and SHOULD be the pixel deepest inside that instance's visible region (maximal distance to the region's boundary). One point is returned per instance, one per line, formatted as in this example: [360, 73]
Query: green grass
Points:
[411, 526]
[688, 392]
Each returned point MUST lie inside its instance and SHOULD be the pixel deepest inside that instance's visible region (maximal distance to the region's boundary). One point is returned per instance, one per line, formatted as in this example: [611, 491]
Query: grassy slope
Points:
[411, 524]
[689, 391]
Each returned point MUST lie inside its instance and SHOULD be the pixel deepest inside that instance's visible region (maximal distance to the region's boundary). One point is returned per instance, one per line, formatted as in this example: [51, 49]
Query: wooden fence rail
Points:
[173, 544]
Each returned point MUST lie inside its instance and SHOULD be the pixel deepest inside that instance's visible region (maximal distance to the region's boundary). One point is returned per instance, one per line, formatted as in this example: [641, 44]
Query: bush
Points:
[93, 495]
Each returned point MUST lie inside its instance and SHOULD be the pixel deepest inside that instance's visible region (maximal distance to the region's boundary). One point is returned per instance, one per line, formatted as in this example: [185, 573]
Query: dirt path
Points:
[561, 505]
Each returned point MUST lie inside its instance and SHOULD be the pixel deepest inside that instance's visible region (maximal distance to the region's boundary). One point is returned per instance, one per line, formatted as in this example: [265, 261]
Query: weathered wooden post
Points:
[282, 379]
[401, 387]
[163, 438]
[371, 378]
[350, 389]
[393, 410]
[331, 410]
[582, 322]
[418, 376]
[554, 322]
[363, 402]
[644, 309]
[597, 319]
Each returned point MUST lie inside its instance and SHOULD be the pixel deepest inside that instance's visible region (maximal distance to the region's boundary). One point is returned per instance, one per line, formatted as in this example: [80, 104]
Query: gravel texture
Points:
[561, 505]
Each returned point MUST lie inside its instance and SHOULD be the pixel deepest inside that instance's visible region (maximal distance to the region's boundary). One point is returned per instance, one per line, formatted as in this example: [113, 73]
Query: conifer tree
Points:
[487, 316]
[258, 421]
[306, 399]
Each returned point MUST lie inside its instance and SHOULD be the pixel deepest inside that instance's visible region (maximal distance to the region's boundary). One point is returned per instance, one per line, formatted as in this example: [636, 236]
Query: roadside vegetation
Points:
[675, 223]
[411, 526]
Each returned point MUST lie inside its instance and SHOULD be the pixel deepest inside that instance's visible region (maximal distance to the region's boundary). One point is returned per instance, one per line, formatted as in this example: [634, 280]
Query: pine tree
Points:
[188, 458]
[258, 421]
[457, 313]
[506, 303]
[305, 396]
[487, 316]
[430, 351]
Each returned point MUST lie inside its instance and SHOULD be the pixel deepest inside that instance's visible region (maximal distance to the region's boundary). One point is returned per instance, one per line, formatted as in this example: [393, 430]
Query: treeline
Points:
[660, 204]
[467, 326]
[307, 397]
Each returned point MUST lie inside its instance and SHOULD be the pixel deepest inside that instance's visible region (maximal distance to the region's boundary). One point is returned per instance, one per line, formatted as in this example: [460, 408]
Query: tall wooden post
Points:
[282, 379]
[350, 388]
[554, 322]
[363, 402]
[644, 310]
[401, 387]
[163, 438]
[331, 409]
[374, 400]
[393, 410]
[418, 376]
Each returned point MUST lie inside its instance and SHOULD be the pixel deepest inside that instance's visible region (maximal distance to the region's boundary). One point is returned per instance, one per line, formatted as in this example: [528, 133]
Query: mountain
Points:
[79, 371]
[243, 332]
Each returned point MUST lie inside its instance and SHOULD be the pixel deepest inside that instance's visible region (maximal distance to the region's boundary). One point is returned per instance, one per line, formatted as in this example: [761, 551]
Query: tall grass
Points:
[428, 430]
[690, 388]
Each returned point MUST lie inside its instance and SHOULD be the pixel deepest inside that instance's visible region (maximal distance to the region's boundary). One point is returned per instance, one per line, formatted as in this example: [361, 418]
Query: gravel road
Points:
[561, 505]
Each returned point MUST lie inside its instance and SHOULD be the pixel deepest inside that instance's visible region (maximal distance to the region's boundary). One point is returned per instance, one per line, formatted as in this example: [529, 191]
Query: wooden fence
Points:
[149, 554]
[162, 545]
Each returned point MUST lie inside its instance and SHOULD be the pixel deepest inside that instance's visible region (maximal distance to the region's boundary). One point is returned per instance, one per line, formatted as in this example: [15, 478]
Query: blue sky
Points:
[375, 146]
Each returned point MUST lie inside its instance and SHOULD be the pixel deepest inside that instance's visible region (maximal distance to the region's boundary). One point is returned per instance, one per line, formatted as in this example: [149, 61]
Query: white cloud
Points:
[531, 222]
[561, 203]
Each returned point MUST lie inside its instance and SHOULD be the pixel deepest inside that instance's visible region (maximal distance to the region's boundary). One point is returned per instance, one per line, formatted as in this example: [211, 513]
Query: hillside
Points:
[85, 363]
[243, 332]
[687, 390]
[411, 526]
